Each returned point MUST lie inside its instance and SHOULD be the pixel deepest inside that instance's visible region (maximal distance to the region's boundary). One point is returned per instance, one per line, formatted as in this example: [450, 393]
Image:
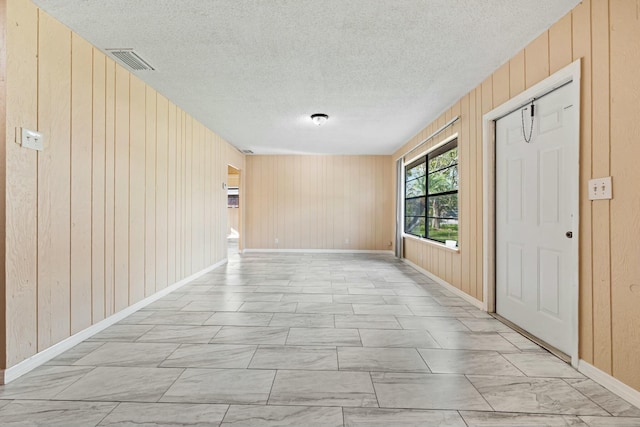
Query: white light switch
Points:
[600, 188]
[32, 139]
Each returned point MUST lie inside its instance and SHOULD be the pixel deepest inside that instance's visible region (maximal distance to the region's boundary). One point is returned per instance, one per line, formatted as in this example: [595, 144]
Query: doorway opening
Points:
[531, 210]
[234, 210]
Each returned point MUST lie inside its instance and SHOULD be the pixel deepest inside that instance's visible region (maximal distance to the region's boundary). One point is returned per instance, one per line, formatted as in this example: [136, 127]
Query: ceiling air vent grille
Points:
[131, 59]
[247, 151]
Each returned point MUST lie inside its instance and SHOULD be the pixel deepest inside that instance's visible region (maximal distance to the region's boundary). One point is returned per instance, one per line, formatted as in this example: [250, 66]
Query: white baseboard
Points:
[614, 385]
[318, 251]
[16, 371]
[471, 300]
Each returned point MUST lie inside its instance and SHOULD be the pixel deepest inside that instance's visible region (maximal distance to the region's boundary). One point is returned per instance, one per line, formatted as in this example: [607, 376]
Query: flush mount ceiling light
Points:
[319, 119]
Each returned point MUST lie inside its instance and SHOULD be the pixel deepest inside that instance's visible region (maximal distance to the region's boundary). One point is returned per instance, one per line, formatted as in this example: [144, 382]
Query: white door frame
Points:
[570, 73]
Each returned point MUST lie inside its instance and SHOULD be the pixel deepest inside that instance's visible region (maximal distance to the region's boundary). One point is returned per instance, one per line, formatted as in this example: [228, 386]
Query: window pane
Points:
[443, 180]
[443, 206]
[444, 160]
[414, 225]
[415, 207]
[443, 229]
[415, 172]
[417, 187]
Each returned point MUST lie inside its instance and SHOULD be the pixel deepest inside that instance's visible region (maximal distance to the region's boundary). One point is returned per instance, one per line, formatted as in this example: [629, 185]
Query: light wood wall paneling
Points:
[516, 74]
[560, 44]
[121, 257]
[501, 85]
[150, 192]
[188, 196]
[625, 206]
[54, 198]
[537, 60]
[196, 201]
[162, 176]
[98, 188]
[465, 208]
[208, 198]
[172, 161]
[81, 188]
[475, 234]
[600, 120]
[137, 175]
[110, 194]
[18, 338]
[3, 183]
[581, 43]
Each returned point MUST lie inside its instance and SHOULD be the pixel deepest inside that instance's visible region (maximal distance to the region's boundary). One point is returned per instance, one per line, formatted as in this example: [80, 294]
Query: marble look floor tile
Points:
[177, 318]
[43, 383]
[181, 334]
[397, 338]
[472, 341]
[374, 417]
[432, 324]
[439, 311]
[121, 384]
[210, 356]
[292, 320]
[74, 354]
[282, 416]
[380, 359]
[427, 391]
[135, 318]
[534, 395]
[211, 306]
[452, 301]
[123, 333]
[358, 299]
[391, 309]
[521, 342]
[162, 304]
[269, 307]
[313, 298]
[324, 336]
[254, 296]
[53, 414]
[501, 419]
[322, 308]
[367, 291]
[468, 362]
[611, 422]
[603, 397]
[128, 354]
[485, 325]
[367, 321]
[250, 335]
[295, 357]
[411, 301]
[221, 386]
[240, 319]
[542, 365]
[165, 414]
[323, 388]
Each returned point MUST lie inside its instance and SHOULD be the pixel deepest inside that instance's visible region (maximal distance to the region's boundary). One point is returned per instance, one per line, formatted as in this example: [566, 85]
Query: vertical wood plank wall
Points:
[95, 222]
[316, 202]
[604, 33]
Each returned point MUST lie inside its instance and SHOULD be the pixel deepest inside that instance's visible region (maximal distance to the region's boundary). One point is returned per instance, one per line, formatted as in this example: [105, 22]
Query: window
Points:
[431, 195]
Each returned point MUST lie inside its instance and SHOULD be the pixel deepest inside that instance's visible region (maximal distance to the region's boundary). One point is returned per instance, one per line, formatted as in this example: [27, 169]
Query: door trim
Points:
[570, 73]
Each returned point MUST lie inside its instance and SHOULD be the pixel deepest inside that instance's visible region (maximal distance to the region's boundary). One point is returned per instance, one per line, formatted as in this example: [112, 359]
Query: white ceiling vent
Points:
[131, 59]
[247, 151]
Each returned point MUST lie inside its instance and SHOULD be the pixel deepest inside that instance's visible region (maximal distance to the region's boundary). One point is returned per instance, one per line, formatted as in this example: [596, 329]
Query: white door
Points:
[536, 212]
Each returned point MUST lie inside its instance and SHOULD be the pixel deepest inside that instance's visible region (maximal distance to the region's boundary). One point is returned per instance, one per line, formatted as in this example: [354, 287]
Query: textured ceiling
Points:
[254, 70]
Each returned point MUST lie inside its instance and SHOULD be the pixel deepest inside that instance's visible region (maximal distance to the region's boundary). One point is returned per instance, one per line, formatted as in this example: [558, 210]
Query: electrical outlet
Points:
[32, 139]
[600, 188]
[346, 241]
[277, 241]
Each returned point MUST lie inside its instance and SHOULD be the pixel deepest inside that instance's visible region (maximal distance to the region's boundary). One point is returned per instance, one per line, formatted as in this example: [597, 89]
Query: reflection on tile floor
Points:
[310, 340]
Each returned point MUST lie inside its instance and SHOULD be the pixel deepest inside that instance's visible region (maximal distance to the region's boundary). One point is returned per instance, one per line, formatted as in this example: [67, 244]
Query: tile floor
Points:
[310, 340]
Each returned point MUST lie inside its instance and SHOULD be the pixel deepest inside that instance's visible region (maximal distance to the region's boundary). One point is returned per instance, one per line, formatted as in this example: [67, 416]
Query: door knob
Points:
[569, 234]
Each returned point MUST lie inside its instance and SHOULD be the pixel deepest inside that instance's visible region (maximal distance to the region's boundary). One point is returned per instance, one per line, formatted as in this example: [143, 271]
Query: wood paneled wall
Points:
[125, 200]
[605, 34]
[318, 202]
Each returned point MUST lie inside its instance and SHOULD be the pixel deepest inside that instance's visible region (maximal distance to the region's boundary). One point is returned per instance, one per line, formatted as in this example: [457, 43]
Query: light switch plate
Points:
[600, 188]
[32, 139]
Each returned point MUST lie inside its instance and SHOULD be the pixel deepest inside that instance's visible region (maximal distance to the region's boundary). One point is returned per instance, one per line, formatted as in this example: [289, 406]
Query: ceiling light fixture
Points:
[319, 119]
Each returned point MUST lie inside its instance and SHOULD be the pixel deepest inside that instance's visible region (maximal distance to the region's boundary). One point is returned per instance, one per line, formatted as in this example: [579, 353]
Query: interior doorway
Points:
[233, 211]
[531, 208]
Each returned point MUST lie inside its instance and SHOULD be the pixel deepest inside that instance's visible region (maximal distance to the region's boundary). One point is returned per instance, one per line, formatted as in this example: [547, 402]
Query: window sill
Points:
[431, 242]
